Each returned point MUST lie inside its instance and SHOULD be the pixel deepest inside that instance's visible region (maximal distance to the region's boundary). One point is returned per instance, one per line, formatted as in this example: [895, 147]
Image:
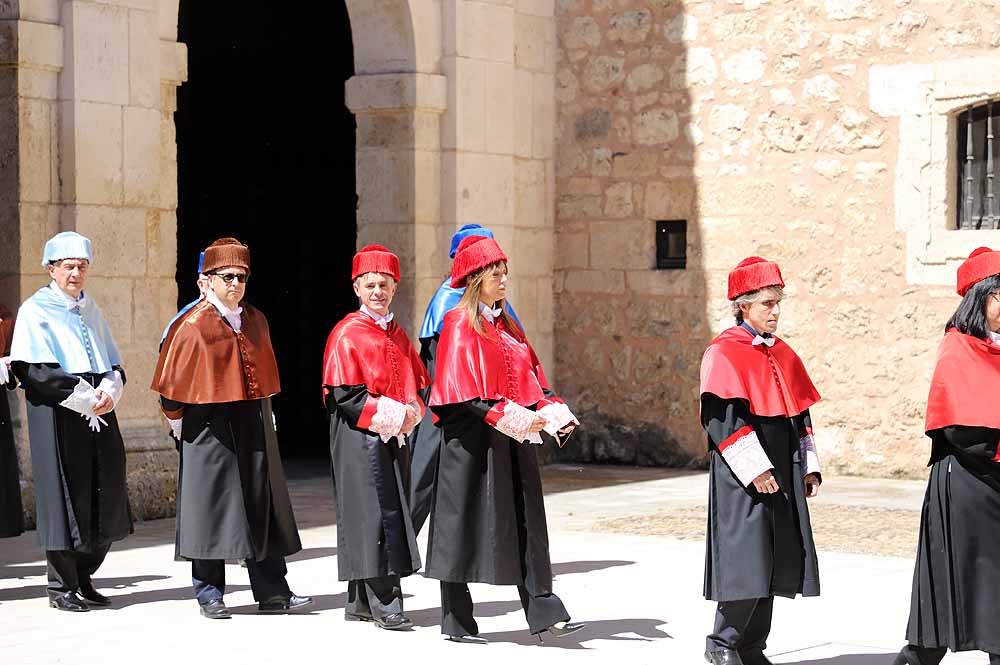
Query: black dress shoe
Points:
[723, 657]
[215, 609]
[395, 621]
[283, 604]
[68, 602]
[93, 598]
[755, 658]
[566, 629]
[467, 639]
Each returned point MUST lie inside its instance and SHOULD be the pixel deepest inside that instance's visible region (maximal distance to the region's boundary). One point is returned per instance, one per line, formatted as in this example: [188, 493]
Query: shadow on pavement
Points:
[101, 583]
[572, 567]
[8, 572]
[310, 553]
[850, 659]
[324, 602]
[630, 630]
[495, 608]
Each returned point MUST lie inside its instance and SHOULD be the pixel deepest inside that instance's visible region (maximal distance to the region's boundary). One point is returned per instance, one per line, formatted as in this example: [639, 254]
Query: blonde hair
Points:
[470, 301]
[752, 297]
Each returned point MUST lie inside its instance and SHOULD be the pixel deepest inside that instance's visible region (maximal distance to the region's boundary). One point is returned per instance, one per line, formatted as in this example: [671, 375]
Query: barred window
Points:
[977, 159]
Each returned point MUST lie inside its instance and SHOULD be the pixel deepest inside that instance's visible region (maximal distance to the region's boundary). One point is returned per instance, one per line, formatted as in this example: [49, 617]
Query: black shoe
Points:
[93, 598]
[755, 658]
[68, 602]
[215, 609]
[283, 604]
[395, 621]
[566, 629]
[467, 639]
[723, 657]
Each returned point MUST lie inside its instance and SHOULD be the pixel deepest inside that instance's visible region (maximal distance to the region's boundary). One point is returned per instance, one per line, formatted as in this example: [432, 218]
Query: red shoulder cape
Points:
[772, 380]
[963, 388]
[359, 352]
[499, 365]
[204, 361]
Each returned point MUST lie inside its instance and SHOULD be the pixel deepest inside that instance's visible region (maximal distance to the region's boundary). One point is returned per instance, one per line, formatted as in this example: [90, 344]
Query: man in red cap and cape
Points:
[755, 399]
[371, 379]
[11, 510]
[216, 376]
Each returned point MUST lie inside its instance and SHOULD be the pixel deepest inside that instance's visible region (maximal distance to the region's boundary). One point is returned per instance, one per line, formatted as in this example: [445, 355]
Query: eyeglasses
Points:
[228, 277]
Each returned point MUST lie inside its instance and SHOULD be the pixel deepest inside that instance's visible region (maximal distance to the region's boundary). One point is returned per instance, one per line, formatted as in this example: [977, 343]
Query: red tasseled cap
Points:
[474, 253]
[375, 258]
[753, 273]
[982, 263]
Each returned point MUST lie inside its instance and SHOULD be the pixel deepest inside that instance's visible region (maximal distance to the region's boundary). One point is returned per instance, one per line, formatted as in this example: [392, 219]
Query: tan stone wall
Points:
[752, 120]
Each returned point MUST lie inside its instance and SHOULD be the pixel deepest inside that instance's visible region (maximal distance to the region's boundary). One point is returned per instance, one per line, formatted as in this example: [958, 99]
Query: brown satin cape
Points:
[6, 330]
[204, 361]
[359, 352]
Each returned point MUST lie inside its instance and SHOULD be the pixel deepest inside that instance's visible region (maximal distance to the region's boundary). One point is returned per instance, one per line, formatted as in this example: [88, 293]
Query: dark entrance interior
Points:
[265, 152]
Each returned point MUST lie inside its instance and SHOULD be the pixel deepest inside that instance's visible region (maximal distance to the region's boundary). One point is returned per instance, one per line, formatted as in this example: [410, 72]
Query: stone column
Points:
[498, 139]
[398, 178]
[96, 154]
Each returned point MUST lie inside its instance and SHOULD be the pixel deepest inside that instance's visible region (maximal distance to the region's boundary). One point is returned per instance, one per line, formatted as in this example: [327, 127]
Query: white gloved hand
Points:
[4, 370]
[175, 426]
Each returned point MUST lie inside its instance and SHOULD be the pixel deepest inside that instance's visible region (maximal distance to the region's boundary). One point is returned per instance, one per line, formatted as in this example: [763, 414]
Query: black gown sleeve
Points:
[348, 401]
[45, 384]
[722, 418]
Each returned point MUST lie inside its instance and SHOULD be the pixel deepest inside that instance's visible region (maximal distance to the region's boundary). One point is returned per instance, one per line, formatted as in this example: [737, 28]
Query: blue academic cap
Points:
[465, 232]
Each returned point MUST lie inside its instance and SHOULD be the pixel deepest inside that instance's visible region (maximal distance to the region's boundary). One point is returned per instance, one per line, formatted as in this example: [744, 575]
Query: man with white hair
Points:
[66, 359]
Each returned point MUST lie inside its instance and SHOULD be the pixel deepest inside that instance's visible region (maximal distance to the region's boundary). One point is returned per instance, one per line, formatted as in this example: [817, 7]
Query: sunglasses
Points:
[228, 277]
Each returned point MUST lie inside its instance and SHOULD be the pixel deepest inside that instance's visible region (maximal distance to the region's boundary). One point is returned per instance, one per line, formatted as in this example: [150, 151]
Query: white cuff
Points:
[808, 455]
[175, 426]
[516, 423]
[557, 416]
[83, 400]
[747, 458]
[388, 419]
[4, 371]
[112, 385]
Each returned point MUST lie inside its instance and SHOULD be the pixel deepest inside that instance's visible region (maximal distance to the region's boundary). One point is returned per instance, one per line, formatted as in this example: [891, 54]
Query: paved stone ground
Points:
[628, 559]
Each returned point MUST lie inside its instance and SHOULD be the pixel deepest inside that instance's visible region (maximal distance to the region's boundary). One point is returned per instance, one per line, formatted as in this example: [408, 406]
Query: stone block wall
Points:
[756, 121]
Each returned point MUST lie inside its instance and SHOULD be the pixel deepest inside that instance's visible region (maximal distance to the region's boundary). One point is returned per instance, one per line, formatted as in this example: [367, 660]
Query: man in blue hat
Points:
[427, 436]
[202, 283]
[71, 371]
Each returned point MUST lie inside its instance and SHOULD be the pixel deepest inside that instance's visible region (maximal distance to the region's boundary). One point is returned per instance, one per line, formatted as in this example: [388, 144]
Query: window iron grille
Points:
[671, 244]
[977, 154]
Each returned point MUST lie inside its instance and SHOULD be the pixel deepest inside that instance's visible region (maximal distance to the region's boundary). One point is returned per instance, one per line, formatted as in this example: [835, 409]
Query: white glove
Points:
[4, 370]
[94, 422]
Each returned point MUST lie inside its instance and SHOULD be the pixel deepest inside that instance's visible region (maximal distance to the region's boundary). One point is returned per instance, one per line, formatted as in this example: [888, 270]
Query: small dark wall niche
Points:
[671, 244]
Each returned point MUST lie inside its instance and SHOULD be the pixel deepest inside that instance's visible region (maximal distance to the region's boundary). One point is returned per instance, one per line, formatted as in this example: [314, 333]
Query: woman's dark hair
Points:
[970, 317]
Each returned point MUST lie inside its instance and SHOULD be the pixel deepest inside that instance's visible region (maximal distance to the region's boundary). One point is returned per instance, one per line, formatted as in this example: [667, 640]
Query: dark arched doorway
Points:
[266, 153]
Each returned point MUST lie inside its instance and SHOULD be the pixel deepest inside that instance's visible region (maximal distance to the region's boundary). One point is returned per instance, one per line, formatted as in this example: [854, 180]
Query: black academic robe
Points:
[11, 509]
[425, 442]
[81, 497]
[758, 545]
[956, 579]
[232, 496]
[375, 535]
[488, 515]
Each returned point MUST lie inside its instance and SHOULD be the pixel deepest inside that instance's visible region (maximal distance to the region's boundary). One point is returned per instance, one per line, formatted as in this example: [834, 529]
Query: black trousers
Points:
[456, 610]
[71, 571]
[914, 654]
[742, 625]
[267, 579]
[375, 597]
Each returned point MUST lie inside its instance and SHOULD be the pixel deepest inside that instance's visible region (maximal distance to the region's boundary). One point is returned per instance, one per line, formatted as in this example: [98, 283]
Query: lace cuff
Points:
[388, 419]
[808, 454]
[557, 416]
[745, 456]
[515, 422]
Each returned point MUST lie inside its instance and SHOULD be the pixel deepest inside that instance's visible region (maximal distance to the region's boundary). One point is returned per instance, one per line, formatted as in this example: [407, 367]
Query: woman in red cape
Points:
[371, 377]
[755, 399]
[956, 579]
[492, 400]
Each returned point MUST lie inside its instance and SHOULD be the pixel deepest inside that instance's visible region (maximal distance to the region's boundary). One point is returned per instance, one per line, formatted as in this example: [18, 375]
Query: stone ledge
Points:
[31, 44]
[372, 93]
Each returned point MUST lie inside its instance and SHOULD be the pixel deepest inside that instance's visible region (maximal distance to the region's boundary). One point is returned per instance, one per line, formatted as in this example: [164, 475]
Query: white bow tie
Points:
[766, 341]
[491, 314]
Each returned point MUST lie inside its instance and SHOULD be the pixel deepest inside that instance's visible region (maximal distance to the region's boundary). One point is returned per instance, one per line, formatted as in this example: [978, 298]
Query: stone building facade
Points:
[818, 133]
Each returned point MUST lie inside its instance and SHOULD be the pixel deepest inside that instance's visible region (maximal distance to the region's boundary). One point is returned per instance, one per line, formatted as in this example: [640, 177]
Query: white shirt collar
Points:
[381, 321]
[231, 315]
[489, 313]
[71, 302]
[995, 338]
